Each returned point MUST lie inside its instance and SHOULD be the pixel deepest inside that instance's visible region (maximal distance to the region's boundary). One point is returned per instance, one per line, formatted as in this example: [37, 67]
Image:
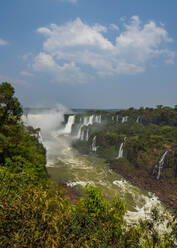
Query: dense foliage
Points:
[149, 133]
[34, 211]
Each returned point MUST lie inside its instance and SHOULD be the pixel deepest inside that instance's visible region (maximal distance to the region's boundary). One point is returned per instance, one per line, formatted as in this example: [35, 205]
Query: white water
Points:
[87, 120]
[67, 165]
[120, 153]
[87, 134]
[160, 165]
[69, 124]
[97, 119]
[82, 134]
[124, 119]
[40, 138]
[138, 119]
[94, 147]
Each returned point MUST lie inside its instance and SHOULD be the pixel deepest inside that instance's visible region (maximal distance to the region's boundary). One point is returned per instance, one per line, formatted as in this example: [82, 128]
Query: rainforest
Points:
[87, 178]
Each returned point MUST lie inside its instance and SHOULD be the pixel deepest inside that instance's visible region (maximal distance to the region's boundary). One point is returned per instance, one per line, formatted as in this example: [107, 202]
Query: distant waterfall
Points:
[120, 154]
[138, 119]
[93, 146]
[86, 121]
[79, 131]
[158, 167]
[87, 134]
[97, 119]
[68, 127]
[124, 119]
[82, 134]
[121, 150]
[90, 120]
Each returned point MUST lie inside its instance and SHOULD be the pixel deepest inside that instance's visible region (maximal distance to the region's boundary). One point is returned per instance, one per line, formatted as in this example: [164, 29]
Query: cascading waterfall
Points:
[157, 168]
[124, 119]
[97, 119]
[69, 124]
[90, 120]
[121, 150]
[50, 123]
[93, 146]
[86, 121]
[66, 165]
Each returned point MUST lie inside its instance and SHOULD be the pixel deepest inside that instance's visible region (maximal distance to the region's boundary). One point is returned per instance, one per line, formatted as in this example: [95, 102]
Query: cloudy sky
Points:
[90, 53]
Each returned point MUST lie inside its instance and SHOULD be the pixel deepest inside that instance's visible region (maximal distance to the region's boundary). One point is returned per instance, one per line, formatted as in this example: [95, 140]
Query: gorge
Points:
[82, 149]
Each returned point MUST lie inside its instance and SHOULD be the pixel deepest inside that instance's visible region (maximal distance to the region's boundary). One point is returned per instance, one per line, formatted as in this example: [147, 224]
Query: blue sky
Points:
[90, 53]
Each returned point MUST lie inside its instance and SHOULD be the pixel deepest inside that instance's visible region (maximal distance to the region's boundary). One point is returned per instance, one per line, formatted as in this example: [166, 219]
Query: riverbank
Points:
[166, 191]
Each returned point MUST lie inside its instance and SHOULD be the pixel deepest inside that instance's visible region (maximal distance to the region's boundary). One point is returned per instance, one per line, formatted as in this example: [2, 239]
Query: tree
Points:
[10, 107]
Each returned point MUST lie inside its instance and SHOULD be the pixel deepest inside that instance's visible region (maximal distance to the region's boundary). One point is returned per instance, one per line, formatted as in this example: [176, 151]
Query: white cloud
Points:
[138, 44]
[68, 72]
[3, 42]
[74, 34]
[69, 49]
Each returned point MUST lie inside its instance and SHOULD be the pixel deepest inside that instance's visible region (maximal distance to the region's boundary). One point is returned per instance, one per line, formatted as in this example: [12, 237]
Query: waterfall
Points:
[112, 118]
[82, 134]
[124, 119]
[93, 146]
[138, 119]
[87, 135]
[121, 150]
[87, 120]
[40, 138]
[79, 131]
[90, 120]
[97, 119]
[68, 127]
[159, 167]
[120, 154]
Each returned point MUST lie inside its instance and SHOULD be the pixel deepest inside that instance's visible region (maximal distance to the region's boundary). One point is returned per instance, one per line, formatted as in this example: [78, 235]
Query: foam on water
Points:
[67, 165]
[83, 184]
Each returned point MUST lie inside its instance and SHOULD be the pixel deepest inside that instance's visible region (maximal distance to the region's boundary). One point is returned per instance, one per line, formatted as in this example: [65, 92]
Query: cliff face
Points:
[165, 187]
[141, 145]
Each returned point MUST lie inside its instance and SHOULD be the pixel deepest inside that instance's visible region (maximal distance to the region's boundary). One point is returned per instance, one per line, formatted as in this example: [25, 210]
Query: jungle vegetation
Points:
[34, 211]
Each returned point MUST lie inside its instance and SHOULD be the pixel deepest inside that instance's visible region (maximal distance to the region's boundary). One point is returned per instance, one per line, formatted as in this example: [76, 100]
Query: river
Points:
[66, 165]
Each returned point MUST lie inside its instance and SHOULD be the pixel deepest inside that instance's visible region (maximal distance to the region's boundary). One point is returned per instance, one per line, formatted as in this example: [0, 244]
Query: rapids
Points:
[66, 165]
